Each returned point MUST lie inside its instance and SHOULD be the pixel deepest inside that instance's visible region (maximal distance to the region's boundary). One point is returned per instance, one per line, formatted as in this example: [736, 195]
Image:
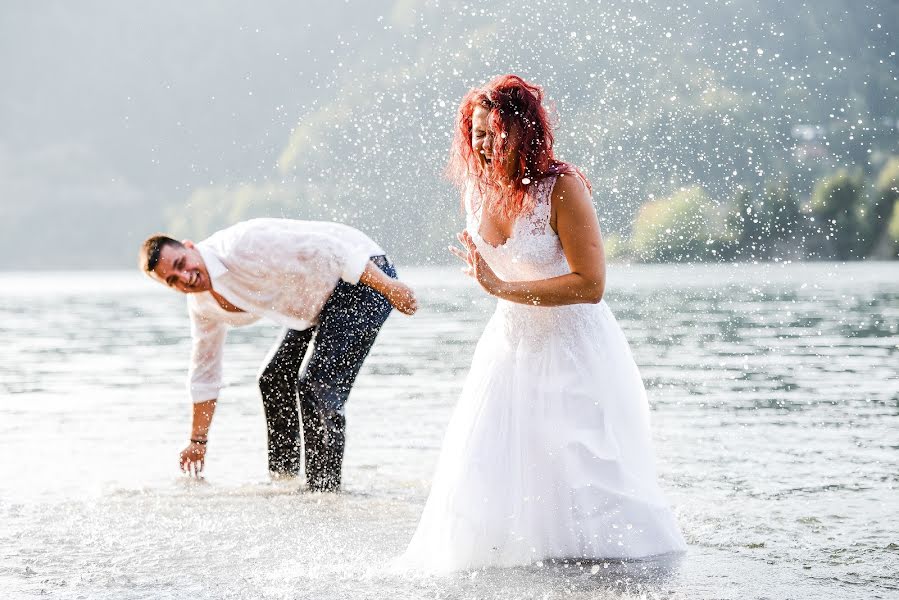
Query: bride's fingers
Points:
[469, 253]
[459, 253]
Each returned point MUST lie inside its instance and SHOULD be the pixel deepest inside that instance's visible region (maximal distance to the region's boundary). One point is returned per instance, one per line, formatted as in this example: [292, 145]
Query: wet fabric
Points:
[281, 269]
[315, 396]
[548, 454]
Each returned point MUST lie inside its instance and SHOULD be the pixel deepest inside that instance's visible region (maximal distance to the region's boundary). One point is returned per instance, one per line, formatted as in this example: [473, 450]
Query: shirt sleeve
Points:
[354, 263]
[205, 373]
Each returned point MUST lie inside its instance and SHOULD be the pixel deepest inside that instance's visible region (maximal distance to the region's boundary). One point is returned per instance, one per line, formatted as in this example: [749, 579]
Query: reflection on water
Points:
[775, 394]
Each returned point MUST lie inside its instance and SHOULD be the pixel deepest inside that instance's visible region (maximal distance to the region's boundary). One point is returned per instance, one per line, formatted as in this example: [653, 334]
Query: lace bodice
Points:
[531, 253]
[534, 250]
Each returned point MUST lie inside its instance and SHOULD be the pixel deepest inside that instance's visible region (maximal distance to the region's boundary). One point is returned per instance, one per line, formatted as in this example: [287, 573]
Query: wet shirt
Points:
[282, 269]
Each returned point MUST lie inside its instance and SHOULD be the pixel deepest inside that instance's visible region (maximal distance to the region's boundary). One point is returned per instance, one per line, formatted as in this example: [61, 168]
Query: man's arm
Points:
[204, 384]
[397, 293]
[324, 255]
[193, 457]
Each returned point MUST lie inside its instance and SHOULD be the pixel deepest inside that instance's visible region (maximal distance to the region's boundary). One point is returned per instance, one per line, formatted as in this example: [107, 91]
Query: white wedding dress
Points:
[548, 453]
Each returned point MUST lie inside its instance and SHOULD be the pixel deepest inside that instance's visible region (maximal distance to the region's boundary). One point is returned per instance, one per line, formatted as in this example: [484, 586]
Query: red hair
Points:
[515, 106]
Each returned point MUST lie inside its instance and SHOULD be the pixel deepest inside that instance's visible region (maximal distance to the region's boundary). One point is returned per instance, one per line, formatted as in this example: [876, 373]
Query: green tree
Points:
[685, 226]
[893, 232]
[884, 214]
[841, 216]
[766, 226]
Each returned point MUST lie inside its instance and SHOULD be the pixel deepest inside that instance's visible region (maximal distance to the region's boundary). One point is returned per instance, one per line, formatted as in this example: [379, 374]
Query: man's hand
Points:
[402, 298]
[400, 295]
[193, 458]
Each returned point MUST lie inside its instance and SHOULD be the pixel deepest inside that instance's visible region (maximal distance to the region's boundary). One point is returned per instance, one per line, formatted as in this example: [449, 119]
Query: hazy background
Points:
[120, 119]
[750, 130]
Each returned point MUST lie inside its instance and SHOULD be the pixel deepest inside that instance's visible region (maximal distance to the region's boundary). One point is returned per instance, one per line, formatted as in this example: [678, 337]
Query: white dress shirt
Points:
[277, 268]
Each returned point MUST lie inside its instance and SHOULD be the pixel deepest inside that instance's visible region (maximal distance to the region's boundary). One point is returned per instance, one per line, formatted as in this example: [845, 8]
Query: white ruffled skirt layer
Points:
[548, 453]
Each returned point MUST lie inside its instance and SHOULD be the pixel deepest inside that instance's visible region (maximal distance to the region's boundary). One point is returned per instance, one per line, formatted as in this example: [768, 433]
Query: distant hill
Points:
[116, 122]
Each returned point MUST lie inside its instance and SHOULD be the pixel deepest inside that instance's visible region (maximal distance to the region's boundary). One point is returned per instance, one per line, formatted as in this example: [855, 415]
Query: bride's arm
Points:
[578, 230]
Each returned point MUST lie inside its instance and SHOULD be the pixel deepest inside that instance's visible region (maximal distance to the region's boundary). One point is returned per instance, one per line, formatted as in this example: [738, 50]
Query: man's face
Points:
[182, 269]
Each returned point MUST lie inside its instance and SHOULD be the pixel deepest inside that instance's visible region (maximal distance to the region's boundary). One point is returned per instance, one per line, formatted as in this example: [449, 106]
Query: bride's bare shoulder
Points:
[570, 196]
[569, 186]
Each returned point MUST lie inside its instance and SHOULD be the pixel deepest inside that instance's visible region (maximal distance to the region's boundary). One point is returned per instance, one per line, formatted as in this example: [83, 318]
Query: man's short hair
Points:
[151, 248]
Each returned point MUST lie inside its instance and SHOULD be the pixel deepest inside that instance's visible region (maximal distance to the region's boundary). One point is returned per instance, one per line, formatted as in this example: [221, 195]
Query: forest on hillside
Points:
[724, 130]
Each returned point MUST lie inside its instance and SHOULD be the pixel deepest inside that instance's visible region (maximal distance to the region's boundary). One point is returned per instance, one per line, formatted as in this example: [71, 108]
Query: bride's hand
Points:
[475, 265]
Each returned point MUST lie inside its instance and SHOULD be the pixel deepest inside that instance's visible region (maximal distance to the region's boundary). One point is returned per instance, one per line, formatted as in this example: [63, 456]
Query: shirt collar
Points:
[214, 265]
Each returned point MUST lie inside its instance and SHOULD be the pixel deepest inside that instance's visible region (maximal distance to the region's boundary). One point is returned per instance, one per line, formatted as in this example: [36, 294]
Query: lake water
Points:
[775, 405]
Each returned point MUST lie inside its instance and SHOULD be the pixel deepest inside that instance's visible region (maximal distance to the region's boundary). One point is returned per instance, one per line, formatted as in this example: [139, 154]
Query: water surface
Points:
[775, 404]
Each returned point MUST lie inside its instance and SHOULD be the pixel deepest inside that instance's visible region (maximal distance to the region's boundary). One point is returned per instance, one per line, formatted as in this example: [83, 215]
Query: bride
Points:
[549, 453]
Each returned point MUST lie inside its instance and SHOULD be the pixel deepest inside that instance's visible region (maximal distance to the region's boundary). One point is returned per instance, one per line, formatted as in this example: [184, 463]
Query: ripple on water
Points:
[774, 399]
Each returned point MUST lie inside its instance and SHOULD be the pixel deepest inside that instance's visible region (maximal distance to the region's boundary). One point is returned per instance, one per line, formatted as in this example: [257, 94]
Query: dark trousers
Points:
[348, 325]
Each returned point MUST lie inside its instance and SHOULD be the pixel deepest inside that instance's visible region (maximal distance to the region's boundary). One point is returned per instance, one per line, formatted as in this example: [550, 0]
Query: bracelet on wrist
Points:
[196, 441]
